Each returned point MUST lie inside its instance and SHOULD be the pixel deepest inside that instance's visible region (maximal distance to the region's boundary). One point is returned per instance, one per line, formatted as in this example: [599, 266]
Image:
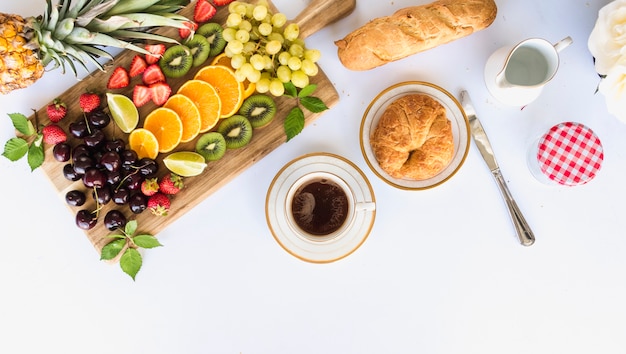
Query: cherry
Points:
[114, 219]
[93, 177]
[86, 219]
[75, 198]
[137, 203]
[62, 152]
[70, 173]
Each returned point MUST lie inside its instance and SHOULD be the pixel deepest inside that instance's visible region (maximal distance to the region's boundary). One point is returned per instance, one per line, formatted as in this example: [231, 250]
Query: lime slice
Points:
[185, 163]
[123, 111]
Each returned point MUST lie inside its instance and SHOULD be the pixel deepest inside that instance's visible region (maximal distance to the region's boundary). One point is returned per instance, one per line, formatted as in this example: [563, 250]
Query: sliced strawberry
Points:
[190, 27]
[152, 74]
[222, 2]
[160, 92]
[141, 95]
[203, 11]
[137, 66]
[118, 79]
[157, 51]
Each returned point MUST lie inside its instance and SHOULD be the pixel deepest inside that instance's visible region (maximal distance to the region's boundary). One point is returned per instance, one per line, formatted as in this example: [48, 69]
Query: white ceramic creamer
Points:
[516, 75]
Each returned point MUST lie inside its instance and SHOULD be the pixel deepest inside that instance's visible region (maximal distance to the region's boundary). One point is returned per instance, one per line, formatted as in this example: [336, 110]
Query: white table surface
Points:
[441, 271]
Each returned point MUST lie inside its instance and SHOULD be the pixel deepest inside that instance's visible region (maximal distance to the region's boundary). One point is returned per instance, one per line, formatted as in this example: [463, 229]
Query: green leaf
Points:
[131, 262]
[290, 89]
[294, 123]
[22, 124]
[146, 241]
[313, 104]
[307, 90]
[35, 156]
[15, 149]
[116, 236]
[112, 249]
[131, 227]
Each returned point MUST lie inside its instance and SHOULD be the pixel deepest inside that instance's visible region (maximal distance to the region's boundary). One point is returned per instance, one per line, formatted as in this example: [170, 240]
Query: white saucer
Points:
[325, 250]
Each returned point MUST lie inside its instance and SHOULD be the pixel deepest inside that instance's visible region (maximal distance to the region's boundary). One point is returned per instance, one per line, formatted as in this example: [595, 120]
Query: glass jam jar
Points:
[568, 154]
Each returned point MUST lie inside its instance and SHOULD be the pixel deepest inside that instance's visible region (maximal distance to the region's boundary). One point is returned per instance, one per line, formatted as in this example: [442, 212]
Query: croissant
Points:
[413, 138]
[412, 30]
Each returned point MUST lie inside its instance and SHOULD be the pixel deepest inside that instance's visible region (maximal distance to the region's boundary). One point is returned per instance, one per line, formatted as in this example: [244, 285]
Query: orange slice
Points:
[206, 99]
[144, 143]
[188, 113]
[166, 126]
[222, 59]
[248, 87]
[228, 88]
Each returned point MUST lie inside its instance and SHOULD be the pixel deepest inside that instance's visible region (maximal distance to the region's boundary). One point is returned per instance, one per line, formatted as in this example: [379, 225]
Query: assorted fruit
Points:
[255, 55]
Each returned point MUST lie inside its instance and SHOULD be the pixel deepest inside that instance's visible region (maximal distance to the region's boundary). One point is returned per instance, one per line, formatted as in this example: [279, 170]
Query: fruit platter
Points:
[152, 135]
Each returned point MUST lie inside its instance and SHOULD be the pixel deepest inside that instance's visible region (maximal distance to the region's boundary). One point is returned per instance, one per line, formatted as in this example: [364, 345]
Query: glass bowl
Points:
[454, 112]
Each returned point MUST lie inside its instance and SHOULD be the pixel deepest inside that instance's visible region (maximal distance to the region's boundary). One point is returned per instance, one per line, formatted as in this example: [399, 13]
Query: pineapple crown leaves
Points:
[73, 32]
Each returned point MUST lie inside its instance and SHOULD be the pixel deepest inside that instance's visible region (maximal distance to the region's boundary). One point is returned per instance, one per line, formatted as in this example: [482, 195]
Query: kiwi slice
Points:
[259, 109]
[200, 49]
[176, 61]
[212, 31]
[211, 145]
[237, 131]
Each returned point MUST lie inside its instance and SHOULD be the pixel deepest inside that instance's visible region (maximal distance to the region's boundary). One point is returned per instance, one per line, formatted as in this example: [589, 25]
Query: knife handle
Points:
[524, 233]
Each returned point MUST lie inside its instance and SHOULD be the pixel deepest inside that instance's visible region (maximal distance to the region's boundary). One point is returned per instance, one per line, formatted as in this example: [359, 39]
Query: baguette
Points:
[412, 30]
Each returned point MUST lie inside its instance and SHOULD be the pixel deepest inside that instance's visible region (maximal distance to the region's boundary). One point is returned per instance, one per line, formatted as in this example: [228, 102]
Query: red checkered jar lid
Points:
[570, 154]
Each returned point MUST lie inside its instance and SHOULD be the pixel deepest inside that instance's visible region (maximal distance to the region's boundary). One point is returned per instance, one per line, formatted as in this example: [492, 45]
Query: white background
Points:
[441, 271]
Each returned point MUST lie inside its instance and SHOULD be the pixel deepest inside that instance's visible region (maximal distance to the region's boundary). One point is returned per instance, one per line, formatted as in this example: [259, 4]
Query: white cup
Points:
[321, 206]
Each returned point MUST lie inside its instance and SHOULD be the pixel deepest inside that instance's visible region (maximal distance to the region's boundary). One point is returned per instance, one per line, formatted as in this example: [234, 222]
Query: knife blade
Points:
[523, 231]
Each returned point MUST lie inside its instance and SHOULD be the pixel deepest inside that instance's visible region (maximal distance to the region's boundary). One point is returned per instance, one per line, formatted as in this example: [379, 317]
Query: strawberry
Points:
[53, 134]
[203, 11]
[152, 74]
[159, 204]
[186, 32]
[118, 79]
[150, 186]
[89, 101]
[171, 183]
[156, 51]
[222, 2]
[56, 110]
[137, 66]
[160, 92]
[141, 95]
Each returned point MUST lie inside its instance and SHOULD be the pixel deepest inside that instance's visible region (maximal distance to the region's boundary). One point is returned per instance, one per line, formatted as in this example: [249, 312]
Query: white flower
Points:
[613, 87]
[607, 41]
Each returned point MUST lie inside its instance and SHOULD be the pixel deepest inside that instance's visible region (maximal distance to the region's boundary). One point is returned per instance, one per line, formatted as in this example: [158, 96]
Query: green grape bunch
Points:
[266, 50]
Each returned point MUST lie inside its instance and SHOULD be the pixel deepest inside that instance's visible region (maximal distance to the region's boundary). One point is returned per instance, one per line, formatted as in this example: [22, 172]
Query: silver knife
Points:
[524, 233]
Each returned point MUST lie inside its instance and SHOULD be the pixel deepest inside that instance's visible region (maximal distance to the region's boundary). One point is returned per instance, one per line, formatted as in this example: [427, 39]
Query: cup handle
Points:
[563, 43]
[365, 206]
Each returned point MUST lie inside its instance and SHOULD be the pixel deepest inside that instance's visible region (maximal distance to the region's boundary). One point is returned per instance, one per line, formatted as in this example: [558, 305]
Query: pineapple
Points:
[75, 32]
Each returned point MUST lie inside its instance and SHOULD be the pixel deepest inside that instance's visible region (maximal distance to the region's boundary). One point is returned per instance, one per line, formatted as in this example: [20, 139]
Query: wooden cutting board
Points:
[217, 174]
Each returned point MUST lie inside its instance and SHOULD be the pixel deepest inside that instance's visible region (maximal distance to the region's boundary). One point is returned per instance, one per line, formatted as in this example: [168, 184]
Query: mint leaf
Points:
[307, 90]
[22, 124]
[15, 149]
[112, 249]
[35, 156]
[313, 104]
[146, 241]
[116, 236]
[294, 123]
[290, 89]
[131, 262]
[131, 227]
